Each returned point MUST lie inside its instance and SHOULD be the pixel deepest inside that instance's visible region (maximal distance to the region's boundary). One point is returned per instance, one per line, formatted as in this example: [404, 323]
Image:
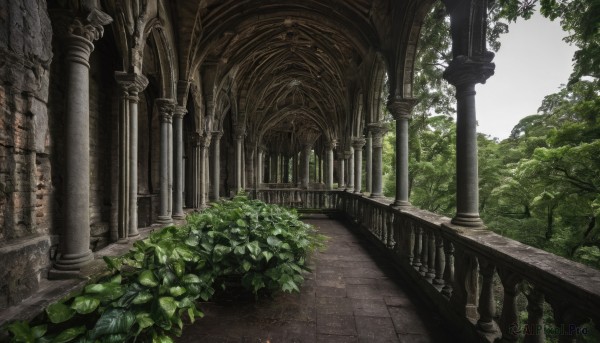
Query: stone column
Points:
[306, 166]
[216, 164]
[75, 240]
[349, 154]
[249, 156]
[178, 113]
[192, 187]
[342, 171]
[295, 180]
[329, 180]
[239, 140]
[165, 108]
[260, 167]
[204, 145]
[464, 74]
[377, 130]
[358, 144]
[286, 168]
[401, 110]
[369, 163]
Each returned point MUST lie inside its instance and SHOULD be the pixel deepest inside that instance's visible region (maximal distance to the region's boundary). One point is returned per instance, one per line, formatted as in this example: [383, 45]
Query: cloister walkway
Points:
[352, 295]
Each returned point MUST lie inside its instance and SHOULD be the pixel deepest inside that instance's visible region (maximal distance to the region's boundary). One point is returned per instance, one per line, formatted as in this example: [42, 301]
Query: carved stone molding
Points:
[465, 71]
[92, 27]
[165, 108]
[401, 108]
[358, 143]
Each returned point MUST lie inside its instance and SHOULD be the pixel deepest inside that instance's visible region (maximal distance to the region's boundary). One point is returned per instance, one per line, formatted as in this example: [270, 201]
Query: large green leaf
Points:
[142, 298]
[253, 247]
[69, 334]
[106, 291]
[85, 304]
[147, 278]
[161, 339]
[143, 320]
[59, 312]
[168, 305]
[177, 291]
[113, 321]
[273, 241]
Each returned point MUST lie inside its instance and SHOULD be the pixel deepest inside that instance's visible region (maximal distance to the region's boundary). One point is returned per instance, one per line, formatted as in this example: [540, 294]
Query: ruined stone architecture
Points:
[116, 115]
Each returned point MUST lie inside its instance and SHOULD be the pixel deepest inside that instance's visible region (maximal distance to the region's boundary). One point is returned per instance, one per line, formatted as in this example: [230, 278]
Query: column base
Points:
[133, 234]
[69, 266]
[164, 220]
[349, 190]
[179, 216]
[399, 203]
[376, 195]
[468, 220]
[357, 192]
[122, 240]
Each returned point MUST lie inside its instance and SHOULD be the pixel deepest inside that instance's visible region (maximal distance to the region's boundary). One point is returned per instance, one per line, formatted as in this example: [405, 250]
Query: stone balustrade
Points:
[465, 272]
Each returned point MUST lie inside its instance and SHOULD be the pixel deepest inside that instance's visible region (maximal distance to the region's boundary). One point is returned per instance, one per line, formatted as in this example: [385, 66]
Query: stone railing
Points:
[299, 198]
[465, 272]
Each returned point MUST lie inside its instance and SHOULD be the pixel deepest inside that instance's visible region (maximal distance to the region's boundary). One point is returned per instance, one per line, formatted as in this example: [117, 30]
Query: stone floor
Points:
[352, 295]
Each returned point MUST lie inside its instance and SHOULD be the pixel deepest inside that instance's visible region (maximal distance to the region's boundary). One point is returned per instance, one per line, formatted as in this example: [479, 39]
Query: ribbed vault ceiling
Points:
[290, 68]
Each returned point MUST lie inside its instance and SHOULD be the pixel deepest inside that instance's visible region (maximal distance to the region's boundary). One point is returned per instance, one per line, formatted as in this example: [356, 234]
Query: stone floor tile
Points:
[362, 292]
[375, 329]
[370, 307]
[336, 339]
[407, 321]
[330, 292]
[339, 306]
[336, 325]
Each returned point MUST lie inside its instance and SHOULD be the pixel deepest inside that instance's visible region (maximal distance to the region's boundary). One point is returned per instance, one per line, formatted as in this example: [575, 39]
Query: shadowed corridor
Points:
[352, 295]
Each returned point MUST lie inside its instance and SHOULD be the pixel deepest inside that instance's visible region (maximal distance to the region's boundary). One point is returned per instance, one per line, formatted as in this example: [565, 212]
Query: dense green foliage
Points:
[541, 185]
[157, 284]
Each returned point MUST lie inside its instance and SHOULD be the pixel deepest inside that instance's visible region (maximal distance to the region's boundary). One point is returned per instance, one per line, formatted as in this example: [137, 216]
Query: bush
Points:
[157, 284]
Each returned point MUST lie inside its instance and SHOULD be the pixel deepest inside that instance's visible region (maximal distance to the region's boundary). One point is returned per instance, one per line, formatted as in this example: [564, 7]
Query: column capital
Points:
[377, 131]
[204, 140]
[239, 132]
[468, 71]
[358, 143]
[165, 109]
[179, 111]
[217, 135]
[331, 145]
[131, 83]
[401, 108]
[91, 27]
[348, 154]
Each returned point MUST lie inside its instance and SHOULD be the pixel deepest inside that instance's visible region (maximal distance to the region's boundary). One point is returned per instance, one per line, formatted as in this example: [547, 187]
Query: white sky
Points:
[532, 62]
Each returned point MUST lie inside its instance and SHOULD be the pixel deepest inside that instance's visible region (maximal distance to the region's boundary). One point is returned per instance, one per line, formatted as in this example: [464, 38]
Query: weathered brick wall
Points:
[26, 190]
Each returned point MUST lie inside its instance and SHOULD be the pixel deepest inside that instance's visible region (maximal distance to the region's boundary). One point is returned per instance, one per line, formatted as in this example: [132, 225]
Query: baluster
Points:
[487, 304]
[431, 255]
[390, 226]
[398, 239]
[417, 251]
[439, 261]
[534, 332]
[465, 288]
[424, 251]
[449, 269]
[509, 324]
[568, 320]
[409, 233]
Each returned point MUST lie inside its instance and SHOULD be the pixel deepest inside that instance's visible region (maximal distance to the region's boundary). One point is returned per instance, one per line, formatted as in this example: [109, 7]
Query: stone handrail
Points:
[462, 271]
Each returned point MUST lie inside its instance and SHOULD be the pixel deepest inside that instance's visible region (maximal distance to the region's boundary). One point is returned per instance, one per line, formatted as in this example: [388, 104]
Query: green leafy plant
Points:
[262, 246]
[158, 283]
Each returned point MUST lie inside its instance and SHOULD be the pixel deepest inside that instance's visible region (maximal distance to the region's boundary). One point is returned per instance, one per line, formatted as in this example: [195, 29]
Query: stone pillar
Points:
[165, 108]
[377, 131]
[358, 144]
[216, 164]
[178, 113]
[329, 180]
[204, 145]
[249, 155]
[194, 178]
[464, 74]
[295, 178]
[342, 171]
[260, 167]
[471, 64]
[239, 140]
[401, 110]
[369, 163]
[75, 240]
[306, 166]
[349, 154]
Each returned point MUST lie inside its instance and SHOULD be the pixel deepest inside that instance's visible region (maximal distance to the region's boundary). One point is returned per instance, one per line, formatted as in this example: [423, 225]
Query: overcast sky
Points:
[532, 63]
